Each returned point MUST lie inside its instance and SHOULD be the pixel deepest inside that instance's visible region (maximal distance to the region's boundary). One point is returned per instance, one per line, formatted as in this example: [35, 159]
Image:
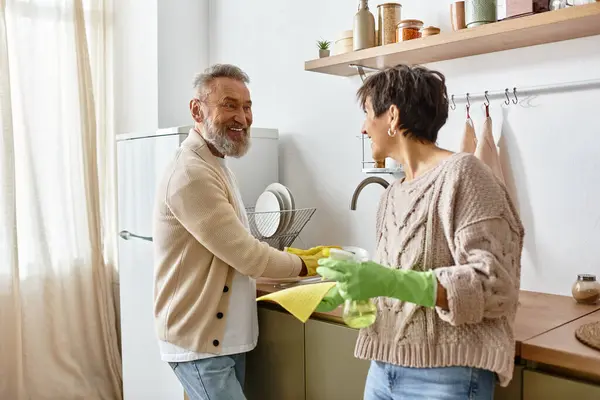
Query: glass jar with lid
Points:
[408, 29]
[388, 17]
[586, 290]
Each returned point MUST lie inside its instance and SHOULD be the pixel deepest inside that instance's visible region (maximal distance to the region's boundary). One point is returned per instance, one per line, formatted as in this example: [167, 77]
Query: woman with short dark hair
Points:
[446, 274]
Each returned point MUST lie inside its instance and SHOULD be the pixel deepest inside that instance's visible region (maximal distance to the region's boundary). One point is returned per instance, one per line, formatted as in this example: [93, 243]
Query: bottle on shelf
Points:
[364, 27]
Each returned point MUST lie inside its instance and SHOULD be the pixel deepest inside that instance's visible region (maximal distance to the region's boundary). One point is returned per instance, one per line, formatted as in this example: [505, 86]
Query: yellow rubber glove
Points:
[312, 256]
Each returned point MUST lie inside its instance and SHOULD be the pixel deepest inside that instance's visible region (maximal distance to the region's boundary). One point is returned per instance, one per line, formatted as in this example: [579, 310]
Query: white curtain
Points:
[58, 327]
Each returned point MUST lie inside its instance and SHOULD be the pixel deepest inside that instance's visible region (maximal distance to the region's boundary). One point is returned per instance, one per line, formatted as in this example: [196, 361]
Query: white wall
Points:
[182, 52]
[159, 46]
[551, 143]
[135, 66]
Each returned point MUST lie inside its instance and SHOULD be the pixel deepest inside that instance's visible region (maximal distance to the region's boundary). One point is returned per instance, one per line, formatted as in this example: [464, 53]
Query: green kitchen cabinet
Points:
[332, 372]
[315, 361]
[513, 390]
[541, 386]
[275, 368]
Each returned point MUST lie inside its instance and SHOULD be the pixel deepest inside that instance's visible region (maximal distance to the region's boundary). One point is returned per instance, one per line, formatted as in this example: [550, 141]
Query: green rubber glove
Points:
[365, 280]
[331, 301]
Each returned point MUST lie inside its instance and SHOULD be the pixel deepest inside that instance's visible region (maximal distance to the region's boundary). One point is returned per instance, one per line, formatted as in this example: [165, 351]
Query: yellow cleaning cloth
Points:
[301, 300]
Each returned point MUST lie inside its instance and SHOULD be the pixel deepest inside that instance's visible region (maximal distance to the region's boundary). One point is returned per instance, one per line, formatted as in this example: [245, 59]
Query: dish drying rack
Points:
[285, 235]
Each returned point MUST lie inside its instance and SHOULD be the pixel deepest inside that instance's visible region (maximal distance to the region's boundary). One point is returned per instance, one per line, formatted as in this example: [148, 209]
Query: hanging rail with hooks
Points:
[509, 95]
[486, 96]
[514, 95]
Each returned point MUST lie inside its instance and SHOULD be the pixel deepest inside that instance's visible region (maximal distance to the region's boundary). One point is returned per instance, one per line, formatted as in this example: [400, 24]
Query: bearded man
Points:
[206, 259]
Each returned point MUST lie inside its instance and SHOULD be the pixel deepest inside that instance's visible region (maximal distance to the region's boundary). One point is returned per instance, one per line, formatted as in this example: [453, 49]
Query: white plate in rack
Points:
[268, 214]
[287, 204]
[282, 214]
[292, 213]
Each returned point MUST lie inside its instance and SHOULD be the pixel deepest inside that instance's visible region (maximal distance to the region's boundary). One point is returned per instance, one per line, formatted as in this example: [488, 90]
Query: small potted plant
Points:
[323, 46]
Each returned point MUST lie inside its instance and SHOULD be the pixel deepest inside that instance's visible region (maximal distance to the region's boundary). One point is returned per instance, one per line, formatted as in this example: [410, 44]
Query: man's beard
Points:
[217, 136]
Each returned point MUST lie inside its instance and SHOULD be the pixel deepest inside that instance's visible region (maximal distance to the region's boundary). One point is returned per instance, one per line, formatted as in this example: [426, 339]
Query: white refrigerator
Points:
[141, 161]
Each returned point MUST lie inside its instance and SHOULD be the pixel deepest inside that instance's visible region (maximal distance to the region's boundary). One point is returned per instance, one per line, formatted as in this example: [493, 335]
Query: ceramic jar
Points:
[480, 12]
[430, 31]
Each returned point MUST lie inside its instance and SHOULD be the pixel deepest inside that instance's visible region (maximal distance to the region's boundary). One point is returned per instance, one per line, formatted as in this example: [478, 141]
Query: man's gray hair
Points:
[203, 80]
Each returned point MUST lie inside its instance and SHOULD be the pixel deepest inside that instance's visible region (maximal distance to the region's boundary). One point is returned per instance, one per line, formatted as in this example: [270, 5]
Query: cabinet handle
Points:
[128, 235]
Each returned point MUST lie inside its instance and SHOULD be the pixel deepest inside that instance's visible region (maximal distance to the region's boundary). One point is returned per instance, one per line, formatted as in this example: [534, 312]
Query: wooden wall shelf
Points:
[548, 27]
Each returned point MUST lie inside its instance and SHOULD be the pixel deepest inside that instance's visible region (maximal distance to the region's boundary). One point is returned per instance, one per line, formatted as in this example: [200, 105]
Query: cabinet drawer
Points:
[538, 386]
[332, 372]
[514, 390]
[275, 368]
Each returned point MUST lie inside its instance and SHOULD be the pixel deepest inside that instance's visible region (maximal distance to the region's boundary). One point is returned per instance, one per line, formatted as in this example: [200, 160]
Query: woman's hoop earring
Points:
[390, 133]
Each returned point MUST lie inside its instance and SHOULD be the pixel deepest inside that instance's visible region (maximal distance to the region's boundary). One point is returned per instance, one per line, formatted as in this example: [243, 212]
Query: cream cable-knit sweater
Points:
[458, 220]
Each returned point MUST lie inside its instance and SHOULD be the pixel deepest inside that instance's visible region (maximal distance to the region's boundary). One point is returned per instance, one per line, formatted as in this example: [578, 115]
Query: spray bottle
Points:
[357, 313]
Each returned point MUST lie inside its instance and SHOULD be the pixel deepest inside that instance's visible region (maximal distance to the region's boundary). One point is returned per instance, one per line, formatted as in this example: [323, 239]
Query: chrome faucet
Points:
[361, 186]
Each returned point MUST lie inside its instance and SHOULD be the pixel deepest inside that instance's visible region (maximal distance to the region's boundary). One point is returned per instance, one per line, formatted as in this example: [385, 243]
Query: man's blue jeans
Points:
[213, 378]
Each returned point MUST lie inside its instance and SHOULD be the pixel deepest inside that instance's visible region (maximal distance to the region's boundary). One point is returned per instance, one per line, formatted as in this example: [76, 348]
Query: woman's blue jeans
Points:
[392, 382]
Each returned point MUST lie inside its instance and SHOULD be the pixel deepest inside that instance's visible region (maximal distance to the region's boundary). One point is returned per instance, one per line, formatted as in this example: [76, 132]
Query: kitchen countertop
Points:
[539, 313]
[544, 328]
[559, 347]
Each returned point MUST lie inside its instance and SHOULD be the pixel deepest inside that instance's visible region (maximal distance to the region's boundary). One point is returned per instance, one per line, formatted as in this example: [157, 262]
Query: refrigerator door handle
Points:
[128, 236]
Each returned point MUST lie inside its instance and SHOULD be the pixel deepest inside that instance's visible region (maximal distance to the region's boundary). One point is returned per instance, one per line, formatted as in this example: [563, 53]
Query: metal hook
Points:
[468, 107]
[453, 106]
[516, 100]
[507, 101]
[487, 104]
